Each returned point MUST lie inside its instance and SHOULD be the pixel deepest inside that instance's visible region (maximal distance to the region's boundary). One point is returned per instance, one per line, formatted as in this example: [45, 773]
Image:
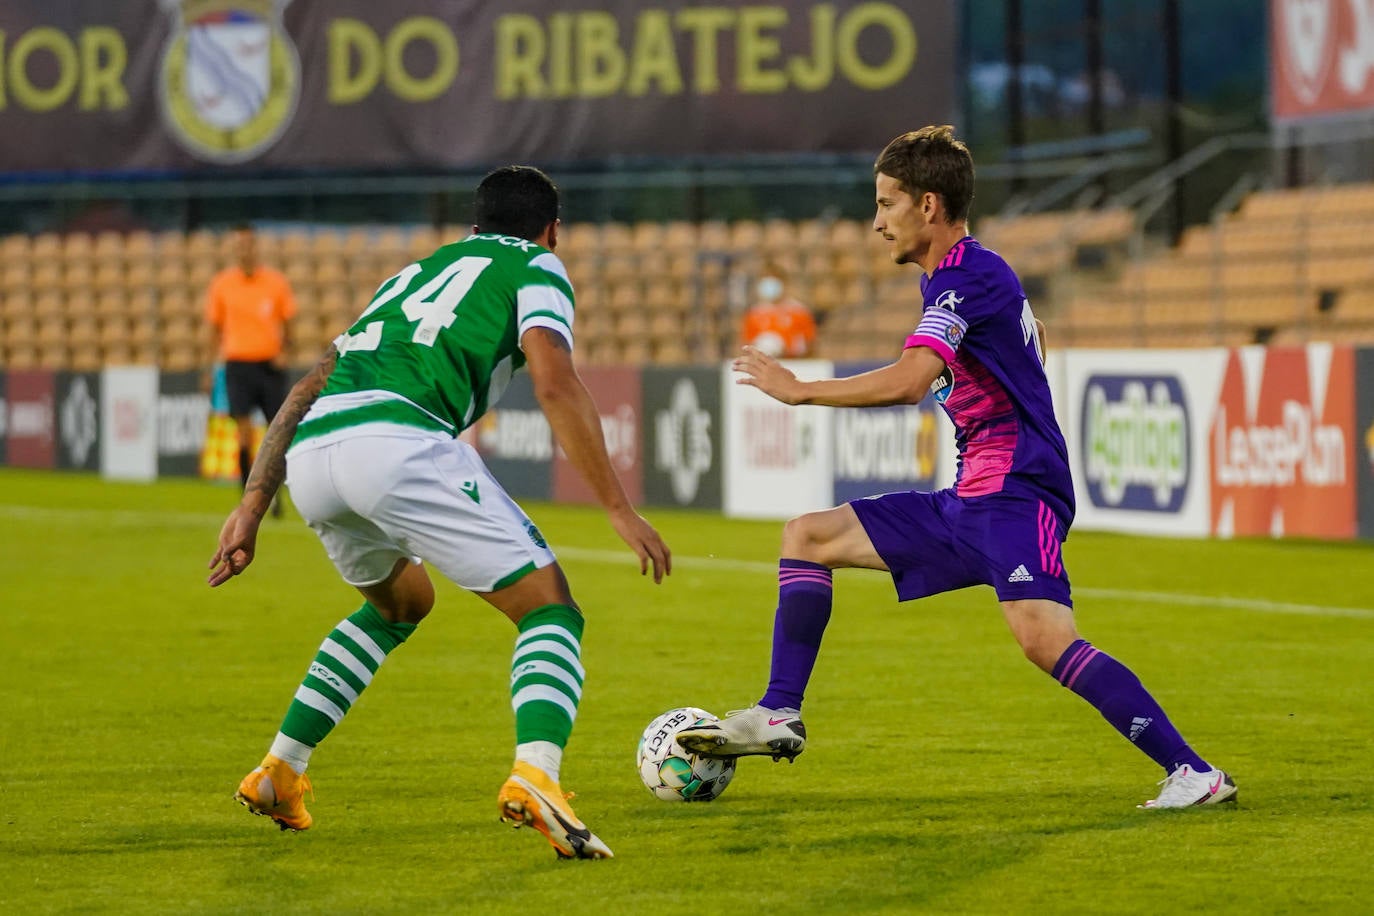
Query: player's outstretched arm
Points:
[238, 538]
[904, 382]
[576, 426]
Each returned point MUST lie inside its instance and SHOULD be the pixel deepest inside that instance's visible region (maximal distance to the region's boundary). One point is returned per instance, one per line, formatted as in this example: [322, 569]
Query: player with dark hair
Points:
[368, 444]
[979, 349]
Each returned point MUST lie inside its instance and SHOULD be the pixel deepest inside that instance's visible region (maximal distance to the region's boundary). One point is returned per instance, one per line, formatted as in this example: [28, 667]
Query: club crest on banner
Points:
[230, 77]
[1307, 30]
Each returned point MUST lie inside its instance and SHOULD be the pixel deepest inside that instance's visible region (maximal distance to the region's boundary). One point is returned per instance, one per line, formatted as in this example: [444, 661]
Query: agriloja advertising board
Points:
[1137, 426]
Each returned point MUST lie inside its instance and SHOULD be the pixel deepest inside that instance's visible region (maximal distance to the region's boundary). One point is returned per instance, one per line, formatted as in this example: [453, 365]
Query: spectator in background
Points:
[248, 310]
[778, 324]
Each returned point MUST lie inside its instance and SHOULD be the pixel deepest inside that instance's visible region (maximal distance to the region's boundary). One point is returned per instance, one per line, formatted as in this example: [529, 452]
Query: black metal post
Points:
[1173, 85]
[1016, 58]
[1092, 36]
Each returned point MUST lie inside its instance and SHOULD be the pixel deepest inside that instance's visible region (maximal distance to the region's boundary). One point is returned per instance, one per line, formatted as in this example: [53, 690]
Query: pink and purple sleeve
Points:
[941, 330]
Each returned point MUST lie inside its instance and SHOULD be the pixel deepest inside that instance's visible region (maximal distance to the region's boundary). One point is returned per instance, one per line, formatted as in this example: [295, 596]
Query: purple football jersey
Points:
[977, 317]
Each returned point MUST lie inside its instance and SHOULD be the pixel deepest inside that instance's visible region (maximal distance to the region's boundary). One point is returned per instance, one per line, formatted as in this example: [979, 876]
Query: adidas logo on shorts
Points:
[1021, 574]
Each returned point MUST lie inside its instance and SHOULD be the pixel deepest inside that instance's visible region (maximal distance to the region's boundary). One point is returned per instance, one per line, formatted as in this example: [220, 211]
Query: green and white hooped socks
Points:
[546, 684]
[346, 663]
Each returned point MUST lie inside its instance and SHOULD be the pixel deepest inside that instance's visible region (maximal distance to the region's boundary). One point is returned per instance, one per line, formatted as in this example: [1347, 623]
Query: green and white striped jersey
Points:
[440, 340]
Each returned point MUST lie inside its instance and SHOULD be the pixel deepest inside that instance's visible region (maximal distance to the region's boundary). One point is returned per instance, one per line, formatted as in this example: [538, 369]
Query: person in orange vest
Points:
[248, 310]
[778, 324]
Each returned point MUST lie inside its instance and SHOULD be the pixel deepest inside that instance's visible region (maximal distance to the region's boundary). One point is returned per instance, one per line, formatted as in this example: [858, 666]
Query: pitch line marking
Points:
[171, 518]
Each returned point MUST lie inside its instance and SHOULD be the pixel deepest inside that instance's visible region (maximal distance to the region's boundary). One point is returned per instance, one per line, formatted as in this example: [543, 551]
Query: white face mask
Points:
[770, 288]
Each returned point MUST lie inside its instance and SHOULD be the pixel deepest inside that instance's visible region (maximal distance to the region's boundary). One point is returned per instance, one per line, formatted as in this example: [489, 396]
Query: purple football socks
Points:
[805, 591]
[1118, 694]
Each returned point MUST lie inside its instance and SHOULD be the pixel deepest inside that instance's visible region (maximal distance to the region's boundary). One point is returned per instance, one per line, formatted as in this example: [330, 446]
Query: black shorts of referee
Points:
[254, 384]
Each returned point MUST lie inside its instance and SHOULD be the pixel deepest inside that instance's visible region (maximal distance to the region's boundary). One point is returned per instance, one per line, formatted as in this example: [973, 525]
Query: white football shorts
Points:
[374, 499]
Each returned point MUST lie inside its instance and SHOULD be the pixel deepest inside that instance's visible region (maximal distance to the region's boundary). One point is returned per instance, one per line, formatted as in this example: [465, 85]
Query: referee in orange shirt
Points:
[249, 308]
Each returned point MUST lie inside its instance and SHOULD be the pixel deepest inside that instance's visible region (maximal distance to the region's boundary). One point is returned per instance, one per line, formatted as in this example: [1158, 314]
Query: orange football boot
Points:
[275, 790]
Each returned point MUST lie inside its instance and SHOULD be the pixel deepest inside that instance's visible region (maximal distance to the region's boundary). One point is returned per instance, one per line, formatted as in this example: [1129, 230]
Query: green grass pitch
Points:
[945, 774]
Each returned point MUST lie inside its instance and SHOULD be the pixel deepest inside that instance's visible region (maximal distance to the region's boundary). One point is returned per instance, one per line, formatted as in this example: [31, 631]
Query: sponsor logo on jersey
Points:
[1135, 442]
[683, 438]
[534, 534]
[943, 385]
[948, 300]
[230, 77]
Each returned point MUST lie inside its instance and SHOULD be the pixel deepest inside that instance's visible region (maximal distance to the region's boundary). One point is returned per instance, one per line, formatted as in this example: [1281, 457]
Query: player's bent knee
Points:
[1044, 629]
[546, 585]
[407, 596]
[807, 537]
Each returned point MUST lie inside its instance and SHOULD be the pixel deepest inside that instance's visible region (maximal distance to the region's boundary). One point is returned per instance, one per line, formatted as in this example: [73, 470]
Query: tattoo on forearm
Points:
[269, 469]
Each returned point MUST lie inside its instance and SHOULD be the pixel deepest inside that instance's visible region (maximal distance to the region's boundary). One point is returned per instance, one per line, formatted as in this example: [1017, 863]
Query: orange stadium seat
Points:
[746, 235]
[779, 235]
[15, 272]
[17, 245]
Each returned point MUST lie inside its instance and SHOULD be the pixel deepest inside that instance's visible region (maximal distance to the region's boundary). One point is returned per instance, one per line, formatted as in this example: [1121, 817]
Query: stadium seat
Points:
[713, 236]
[21, 333]
[46, 246]
[672, 351]
[636, 352]
[17, 303]
[746, 236]
[85, 358]
[15, 273]
[138, 245]
[616, 238]
[15, 246]
[779, 236]
[21, 358]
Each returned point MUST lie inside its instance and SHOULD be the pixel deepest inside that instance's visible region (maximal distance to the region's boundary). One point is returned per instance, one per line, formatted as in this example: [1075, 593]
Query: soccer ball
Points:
[672, 773]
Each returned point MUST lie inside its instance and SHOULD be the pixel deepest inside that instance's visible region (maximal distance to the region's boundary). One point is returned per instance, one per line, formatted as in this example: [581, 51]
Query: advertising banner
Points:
[1136, 426]
[1321, 58]
[31, 432]
[516, 443]
[1364, 447]
[617, 395]
[1283, 443]
[78, 421]
[183, 416]
[683, 453]
[884, 449]
[778, 460]
[128, 417]
[288, 84]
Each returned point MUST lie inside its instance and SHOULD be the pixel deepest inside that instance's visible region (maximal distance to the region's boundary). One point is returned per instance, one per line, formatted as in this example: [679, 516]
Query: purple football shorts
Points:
[938, 542]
